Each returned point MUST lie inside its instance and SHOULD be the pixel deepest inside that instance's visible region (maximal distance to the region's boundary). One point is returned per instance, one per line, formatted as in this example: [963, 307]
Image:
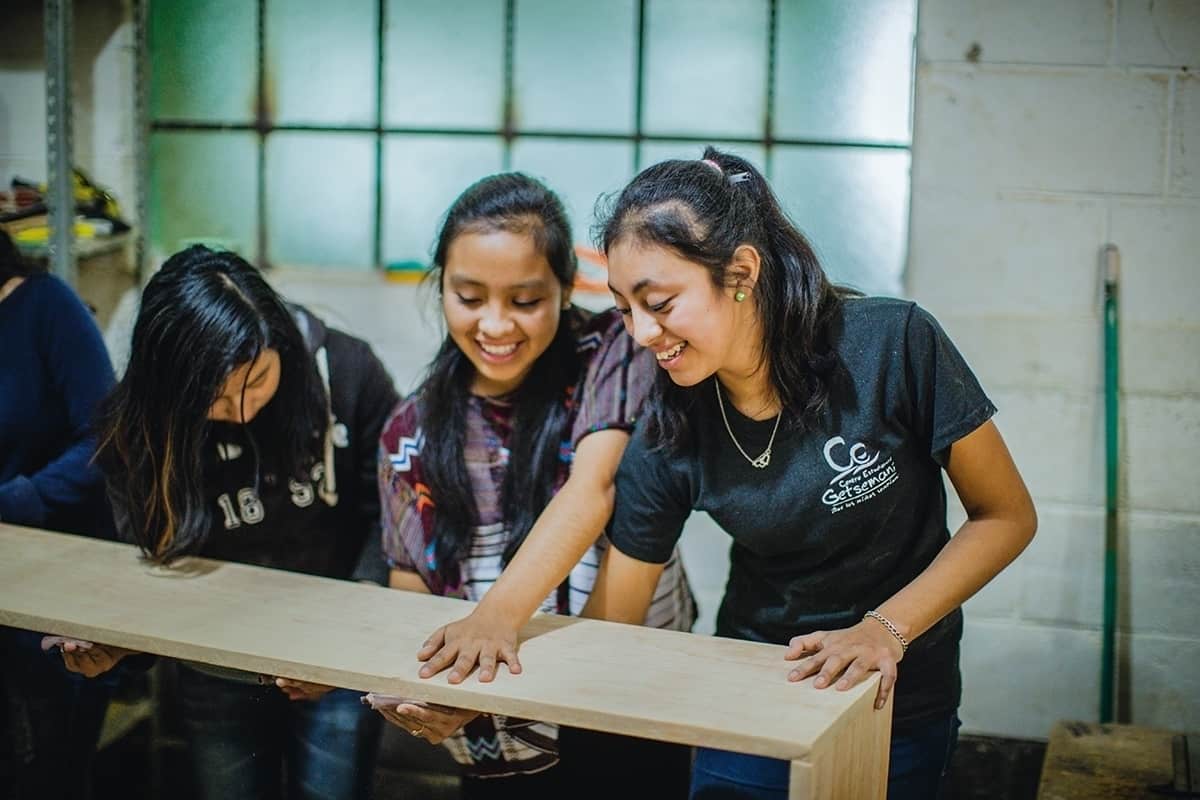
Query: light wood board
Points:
[627, 679]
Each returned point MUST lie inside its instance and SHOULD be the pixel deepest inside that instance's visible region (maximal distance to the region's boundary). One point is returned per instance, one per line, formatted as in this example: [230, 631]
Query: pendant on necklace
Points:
[763, 460]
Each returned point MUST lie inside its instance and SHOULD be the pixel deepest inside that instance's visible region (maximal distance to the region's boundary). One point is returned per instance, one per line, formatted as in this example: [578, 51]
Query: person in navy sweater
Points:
[54, 371]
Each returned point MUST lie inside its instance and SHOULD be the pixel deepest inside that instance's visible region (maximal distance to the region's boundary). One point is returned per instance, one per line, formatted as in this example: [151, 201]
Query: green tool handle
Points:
[1112, 269]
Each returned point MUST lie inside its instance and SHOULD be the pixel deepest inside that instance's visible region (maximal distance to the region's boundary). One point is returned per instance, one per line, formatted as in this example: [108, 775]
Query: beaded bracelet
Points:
[892, 629]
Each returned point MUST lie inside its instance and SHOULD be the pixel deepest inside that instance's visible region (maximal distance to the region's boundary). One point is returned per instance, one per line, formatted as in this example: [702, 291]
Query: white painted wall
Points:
[102, 78]
[1075, 125]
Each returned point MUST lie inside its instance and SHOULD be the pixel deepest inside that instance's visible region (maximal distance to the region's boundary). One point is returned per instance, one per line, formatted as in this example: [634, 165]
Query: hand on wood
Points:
[302, 690]
[85, 658]
[434, 723]
[844, 658]
[475, 639]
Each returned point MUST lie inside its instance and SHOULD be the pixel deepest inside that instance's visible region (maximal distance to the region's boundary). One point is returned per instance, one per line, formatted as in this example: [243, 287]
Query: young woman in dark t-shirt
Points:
[814, 426]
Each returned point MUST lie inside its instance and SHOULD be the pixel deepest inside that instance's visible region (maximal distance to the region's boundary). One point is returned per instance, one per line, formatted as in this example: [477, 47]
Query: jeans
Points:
[49, 721]
[246, 740]
[918, 762]
[595, 764]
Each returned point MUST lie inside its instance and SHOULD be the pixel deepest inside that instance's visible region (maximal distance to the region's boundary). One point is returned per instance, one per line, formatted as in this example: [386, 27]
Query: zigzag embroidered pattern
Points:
[589, 342]
[409, 447]
[484, 749]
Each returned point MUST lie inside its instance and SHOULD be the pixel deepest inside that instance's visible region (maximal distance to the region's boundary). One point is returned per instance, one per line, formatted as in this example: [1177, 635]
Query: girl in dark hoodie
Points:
[245, 430]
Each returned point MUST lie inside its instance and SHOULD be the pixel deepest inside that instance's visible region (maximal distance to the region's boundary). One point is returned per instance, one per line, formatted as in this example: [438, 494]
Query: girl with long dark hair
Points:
[814, 426]
[245, 430]
[512, 441]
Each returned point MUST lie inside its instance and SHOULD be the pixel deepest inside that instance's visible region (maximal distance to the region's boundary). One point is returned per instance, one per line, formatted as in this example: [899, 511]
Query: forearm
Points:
[407, 580]
[64, 482]
[975, 554]
[624, 589]
[571, 522]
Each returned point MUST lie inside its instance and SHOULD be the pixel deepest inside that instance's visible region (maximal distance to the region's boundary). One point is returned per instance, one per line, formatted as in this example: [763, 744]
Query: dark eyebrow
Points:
[637, 287]
[253, 375]
[535, 284]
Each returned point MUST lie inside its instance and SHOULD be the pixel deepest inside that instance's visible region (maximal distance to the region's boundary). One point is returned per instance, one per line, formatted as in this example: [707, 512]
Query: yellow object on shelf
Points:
[94, 199]
[40, 234]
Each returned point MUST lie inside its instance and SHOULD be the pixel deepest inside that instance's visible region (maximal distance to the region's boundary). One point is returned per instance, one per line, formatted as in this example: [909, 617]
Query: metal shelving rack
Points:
[60, 140]
[60, 202]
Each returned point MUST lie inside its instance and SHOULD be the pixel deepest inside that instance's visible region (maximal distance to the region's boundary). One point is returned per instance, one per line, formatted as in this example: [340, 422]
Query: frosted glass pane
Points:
[574, 65]
[706, 67]
[579, 172]
[320, 199]
[844, 70]
[422, 176]
[653, 152]
[321, 61]
[444, 64]
[852, 204]
[203, 56]
[203, 186]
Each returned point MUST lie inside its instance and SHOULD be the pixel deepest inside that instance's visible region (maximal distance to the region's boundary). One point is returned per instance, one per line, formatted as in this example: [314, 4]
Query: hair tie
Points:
[735, 178]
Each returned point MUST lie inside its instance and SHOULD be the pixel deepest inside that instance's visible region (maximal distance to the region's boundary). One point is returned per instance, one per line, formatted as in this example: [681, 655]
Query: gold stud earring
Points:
[739, 296]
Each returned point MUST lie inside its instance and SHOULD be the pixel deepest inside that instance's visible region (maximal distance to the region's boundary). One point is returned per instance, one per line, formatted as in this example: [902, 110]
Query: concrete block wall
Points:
[1041, 133]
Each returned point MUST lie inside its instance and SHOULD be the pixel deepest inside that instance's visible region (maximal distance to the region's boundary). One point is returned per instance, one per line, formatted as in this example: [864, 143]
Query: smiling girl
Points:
[814, 426]
[512, 442]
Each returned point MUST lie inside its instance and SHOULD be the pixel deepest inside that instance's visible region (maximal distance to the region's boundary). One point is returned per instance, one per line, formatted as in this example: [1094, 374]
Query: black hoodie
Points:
[328, 525]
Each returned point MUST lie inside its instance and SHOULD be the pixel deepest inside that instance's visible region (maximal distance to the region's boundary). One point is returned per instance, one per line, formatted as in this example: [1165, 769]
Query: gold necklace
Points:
[764, 458]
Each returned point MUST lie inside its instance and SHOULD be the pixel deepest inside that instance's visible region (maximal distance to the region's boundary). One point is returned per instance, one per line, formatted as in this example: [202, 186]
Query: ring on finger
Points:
[418, 731]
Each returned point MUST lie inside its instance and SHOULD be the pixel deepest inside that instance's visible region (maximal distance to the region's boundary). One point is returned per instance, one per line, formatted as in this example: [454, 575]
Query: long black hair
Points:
[704, 210]
[202, 315]
[517, 204]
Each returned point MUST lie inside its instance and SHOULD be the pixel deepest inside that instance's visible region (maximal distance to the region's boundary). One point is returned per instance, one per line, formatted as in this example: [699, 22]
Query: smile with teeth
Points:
[667, 355]
[498, 349]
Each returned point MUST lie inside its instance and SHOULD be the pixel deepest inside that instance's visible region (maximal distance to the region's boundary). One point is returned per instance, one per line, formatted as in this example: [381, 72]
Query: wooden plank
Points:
[1089, 761]
[851, 760]
[627, 679]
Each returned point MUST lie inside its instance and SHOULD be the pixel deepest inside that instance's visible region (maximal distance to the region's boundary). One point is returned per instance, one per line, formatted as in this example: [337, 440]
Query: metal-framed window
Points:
[333, 135]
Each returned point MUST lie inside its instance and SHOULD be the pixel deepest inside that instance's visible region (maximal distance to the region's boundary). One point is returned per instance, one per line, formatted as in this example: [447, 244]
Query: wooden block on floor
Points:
[1090, 761]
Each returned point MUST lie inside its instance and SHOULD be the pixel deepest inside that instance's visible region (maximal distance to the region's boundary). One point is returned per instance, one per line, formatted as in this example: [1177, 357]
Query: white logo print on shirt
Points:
[862, 477]
[228, 451]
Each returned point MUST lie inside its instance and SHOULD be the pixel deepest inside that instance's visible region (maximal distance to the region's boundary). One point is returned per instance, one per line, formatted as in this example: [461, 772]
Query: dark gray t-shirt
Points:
[845, 514]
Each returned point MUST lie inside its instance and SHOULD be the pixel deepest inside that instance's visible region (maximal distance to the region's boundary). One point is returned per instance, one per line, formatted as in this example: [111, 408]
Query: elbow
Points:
[1025, 521]
[608, 499]
[599, 494]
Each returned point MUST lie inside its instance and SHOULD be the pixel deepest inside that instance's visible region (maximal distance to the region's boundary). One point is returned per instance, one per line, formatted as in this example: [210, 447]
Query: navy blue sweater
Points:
[54, 371]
